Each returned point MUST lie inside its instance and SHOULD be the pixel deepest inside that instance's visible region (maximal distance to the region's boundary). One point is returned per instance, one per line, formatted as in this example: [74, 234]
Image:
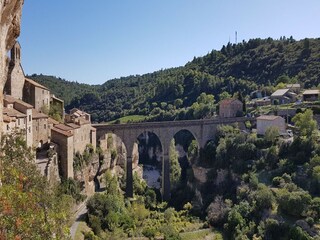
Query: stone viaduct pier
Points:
[203, 130]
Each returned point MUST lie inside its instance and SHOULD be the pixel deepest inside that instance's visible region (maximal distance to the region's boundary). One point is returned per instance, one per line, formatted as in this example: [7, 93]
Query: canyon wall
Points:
[10, 17]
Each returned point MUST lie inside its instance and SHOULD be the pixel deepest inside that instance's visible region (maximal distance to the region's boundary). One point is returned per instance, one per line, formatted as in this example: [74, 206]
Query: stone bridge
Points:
[203, 130]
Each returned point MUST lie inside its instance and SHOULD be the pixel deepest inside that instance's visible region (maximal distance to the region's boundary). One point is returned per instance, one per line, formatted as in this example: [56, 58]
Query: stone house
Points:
[294, 87]
[283, 96]
[266, 121]
[73, 136]
[230, 108]
[37, 95]
[65, 141]
[310, 95]
[22, 113]
[41, 134]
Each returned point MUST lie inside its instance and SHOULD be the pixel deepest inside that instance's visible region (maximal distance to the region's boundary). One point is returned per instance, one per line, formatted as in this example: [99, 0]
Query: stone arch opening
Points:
[187, 147]
[183, 155]
[150, 159]
[114, 157]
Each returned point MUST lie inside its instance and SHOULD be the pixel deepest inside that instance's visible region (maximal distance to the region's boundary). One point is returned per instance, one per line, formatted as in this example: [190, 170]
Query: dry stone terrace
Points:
[203, 130]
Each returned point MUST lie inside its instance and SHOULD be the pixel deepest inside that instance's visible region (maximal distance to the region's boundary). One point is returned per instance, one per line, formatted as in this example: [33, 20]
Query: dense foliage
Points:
[29, 207]
[175, 93]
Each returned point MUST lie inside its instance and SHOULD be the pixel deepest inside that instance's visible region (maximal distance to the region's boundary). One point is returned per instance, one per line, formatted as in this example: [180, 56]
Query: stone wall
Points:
[10, 17]
[65, 144]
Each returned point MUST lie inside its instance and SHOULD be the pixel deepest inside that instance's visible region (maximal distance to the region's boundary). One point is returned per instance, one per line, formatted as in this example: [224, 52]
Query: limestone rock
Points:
[10, 17]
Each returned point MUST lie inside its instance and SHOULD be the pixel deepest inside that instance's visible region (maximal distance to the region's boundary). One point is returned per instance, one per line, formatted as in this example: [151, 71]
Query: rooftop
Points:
[35, 84]
[65, 133]
[280, 92]
[53, 121]
[294, 85]
[11, 99]
[63, 127]
[268, 117]
[228, 101]
[311, 92]
[37, 115]
[13, 113]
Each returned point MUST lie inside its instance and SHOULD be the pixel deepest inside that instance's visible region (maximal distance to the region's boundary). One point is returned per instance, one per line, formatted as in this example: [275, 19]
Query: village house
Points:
[266, 121]
[37, 95]
[294, 87]
[73, 136]
[230, 108]
[310, 95]
[41, 135]
[283, 96]
[20, 113]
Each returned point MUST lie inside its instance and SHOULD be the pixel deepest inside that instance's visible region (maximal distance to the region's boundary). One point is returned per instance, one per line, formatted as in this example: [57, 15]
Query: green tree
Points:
[175, 169]
[305, 123]
[29, 207]
[224, 95]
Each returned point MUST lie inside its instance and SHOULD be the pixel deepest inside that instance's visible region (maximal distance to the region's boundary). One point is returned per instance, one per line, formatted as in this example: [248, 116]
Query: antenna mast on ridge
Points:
[236, 37]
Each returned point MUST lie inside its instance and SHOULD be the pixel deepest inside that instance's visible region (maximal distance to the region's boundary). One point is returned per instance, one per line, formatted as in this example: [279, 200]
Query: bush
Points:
[293, 203]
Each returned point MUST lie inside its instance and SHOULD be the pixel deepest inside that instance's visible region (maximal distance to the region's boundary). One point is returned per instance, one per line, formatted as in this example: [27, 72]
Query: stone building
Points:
[41, 133]
[283, 96]
[65, 141]
[73, 136]
[230, 108]
[15, 80]
[310, 95]
[266, 121]
[25, 105]
[20, 112]
[37, 95]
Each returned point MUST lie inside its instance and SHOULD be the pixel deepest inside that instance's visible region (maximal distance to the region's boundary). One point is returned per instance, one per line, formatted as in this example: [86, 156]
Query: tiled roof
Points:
[6, 118]
[13, 113]
[64, 127]
[52, 121]
[37, 115]
[311, 92]
[228, 101]
[11, 99]
[65, 133]
[267, 117]
[294, 85]
[36, 84]
[280, 92]
[72, 125]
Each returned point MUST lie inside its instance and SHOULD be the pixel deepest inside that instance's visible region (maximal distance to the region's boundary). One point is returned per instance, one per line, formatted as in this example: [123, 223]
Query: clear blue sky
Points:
[94, 41]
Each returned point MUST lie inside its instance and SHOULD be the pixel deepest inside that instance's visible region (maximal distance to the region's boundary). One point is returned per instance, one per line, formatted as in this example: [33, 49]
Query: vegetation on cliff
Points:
[29, 207]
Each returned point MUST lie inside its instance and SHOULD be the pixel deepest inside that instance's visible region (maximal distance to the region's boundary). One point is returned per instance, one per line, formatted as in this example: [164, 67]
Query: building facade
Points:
[266, 121]
[230, 108]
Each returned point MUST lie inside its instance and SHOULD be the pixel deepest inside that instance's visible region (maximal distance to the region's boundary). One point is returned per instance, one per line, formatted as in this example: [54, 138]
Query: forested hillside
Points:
[175, 93]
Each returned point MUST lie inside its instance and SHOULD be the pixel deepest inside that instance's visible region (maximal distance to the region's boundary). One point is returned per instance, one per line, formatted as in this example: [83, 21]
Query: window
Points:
[8, 128]
[29, 129]
[45, 126]
[19, 121]
[29, 118]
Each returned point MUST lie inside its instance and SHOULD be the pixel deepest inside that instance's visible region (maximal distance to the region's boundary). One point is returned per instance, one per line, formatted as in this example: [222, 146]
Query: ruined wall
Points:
[10, 17]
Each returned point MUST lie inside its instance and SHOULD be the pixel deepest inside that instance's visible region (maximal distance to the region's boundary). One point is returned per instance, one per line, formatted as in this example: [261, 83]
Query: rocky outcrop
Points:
[10, 17]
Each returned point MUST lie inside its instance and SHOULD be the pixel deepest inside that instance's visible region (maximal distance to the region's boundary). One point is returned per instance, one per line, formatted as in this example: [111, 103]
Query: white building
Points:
[266, 121]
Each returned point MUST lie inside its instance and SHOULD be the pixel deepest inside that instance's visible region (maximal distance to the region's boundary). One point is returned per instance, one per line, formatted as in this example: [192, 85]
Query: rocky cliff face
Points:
[10, 16]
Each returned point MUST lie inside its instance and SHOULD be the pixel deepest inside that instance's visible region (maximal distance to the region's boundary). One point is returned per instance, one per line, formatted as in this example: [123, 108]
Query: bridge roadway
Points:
[203, 130]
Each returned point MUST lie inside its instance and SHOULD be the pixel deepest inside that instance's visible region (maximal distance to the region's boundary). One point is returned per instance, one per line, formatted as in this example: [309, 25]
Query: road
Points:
[78, 216]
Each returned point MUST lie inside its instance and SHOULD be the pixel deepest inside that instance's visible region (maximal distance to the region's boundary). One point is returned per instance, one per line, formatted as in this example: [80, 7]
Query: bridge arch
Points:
[150, 157]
